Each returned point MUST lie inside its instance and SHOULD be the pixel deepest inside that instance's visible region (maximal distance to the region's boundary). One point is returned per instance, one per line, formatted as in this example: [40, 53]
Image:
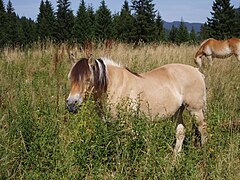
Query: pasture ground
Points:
[39, 139]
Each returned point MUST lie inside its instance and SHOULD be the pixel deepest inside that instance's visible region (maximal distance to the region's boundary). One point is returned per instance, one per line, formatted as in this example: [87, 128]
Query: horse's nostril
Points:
[75, 102]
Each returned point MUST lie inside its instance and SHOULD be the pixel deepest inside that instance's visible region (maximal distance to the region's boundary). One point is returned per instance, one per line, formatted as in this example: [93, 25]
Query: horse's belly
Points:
[163, 105]
[222, 53]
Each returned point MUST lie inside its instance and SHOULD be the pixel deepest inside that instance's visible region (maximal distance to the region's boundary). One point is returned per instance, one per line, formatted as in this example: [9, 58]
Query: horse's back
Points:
[183, 82]
[234, 40]
[221, 43]
[234, 43]
[176, 73]
[180, 71]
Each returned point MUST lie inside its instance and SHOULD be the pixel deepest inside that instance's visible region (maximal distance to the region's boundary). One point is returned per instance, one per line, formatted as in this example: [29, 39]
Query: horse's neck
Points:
[118, 77]
[115, 73]
[199, 52]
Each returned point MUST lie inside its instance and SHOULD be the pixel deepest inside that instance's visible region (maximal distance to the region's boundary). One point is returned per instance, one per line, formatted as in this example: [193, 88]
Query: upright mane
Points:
[79, 69]
[108, 61]
[100, 75]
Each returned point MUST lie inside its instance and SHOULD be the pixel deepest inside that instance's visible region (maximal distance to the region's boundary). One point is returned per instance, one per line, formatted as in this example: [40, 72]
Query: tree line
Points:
[137, 21]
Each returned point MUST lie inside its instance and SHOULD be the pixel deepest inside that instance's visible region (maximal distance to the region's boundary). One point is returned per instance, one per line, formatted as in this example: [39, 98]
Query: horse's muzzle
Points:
[72, 107]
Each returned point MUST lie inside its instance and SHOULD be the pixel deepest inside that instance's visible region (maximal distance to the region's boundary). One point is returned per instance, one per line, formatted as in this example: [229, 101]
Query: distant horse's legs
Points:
[238, 57]
[210, 60]
[202, 125]
[180, 131]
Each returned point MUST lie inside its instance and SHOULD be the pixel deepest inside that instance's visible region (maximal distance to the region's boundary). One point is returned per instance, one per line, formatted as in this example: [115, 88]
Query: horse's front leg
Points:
[210, 59]
[238, 57]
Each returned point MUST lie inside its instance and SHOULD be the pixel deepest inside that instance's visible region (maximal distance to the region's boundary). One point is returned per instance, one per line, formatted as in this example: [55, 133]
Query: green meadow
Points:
[40, 139]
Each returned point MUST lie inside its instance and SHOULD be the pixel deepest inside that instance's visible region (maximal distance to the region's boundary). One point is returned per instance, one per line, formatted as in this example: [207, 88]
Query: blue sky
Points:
[170, 10]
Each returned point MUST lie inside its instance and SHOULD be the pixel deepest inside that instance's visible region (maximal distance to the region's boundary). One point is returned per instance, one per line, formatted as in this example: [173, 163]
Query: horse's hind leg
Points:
[180, 131]
[202, 125]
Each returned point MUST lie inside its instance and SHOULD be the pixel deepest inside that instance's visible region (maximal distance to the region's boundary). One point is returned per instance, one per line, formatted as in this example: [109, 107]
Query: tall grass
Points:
[39, 139]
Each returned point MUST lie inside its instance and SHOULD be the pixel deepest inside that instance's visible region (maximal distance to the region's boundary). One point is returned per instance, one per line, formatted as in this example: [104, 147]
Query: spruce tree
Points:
[46, 21]
[182, 33]
[159, 30]
[28, 28]
[238, 22]
[144, 26]
[172, 37]
[41, 22]
[91, 15]
[193, 36]
[224, 23]
[2, 24]
[50, 20]
[123, 24]
[12, 26]
[2, 12]
[64, 21]
[203, 32]
[10, 9]
[82, 27]
[103, 22]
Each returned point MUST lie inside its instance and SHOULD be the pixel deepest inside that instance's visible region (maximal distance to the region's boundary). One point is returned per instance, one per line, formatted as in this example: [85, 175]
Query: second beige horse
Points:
[212, 48]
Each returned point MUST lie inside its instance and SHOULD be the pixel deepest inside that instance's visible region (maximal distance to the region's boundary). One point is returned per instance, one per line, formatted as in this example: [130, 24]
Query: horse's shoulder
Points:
[213, 41]
[207, 41]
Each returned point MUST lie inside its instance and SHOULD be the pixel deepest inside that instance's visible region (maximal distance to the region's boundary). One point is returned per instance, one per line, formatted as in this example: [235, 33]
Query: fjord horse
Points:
[163, 91]
[212, 48]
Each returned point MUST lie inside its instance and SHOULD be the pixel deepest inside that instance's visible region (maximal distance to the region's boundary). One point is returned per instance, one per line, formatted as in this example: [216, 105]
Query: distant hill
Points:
[196, 26]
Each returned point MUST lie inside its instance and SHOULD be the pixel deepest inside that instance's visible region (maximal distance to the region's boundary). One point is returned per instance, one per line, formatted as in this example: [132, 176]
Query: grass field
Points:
[39, 139]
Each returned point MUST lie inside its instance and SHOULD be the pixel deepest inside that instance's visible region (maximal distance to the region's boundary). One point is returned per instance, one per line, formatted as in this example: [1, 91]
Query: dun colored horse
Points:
[164, 91]
[212, 48]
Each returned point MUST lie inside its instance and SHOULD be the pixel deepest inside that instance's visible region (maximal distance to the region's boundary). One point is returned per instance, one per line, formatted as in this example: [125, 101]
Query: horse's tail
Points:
[204, 93]
[204, 100]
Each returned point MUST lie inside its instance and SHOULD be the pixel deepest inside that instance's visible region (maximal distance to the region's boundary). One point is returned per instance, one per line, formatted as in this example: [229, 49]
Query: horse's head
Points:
[81, 79]
[85, 79]
[198, 61]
